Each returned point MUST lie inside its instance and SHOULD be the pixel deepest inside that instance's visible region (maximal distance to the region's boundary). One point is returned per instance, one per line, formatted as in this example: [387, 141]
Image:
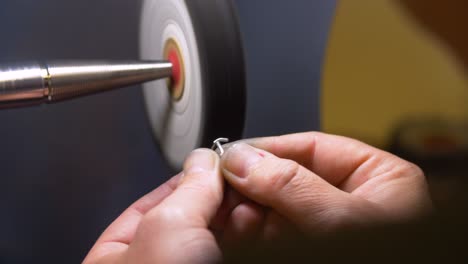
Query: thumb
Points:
[200, 190]
[177, 229]
[293, 191]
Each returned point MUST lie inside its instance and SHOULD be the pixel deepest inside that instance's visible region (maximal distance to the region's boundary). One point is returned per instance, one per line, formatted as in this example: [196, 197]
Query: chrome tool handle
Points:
[23, 84]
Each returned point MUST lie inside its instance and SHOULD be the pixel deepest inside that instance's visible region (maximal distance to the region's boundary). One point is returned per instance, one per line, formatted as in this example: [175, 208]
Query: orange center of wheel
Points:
[177, 81]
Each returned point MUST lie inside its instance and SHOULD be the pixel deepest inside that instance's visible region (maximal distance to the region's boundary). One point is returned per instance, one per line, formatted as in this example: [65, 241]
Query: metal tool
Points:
[35, 83]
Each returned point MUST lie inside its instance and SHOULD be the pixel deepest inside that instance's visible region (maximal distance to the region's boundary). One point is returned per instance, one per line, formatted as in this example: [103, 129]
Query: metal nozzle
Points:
[34, 83]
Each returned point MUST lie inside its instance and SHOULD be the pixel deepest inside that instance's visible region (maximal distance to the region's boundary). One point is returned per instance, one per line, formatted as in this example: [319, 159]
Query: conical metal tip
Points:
[72, 79]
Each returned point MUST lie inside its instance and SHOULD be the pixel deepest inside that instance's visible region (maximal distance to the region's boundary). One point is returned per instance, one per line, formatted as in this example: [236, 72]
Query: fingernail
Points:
[239, 159]
[200, 160]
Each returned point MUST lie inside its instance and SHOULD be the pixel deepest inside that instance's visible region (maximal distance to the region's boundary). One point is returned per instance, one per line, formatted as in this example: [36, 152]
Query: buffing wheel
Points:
[205, 99]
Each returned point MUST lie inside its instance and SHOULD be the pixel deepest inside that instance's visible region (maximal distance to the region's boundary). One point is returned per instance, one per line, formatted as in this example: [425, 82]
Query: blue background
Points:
[69, 169]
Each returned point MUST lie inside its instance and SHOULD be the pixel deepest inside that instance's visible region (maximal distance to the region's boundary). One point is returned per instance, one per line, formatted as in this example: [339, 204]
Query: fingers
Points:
[244, 225]
[177, 229]
[116, 238]
[340, 161]
[276, 227]
[354, 167]
[171, 223]
[238, 222]
[293, 191]
[200, 191]
[231, 200]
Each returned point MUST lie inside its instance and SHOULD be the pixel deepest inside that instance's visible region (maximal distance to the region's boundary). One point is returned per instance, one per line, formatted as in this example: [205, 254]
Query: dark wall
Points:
[67, 170]
[285, 44]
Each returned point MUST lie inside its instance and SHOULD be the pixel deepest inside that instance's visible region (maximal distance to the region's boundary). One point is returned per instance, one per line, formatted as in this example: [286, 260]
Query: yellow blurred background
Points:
[382, 69]
[395, 76]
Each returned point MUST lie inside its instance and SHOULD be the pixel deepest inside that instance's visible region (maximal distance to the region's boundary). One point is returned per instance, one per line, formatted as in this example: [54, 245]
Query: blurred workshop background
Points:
[390, 73]
[395, 76]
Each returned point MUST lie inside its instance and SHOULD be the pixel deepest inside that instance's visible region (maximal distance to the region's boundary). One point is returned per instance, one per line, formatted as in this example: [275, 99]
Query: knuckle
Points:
[410, 170]
[291, 173]
[195, 181]
[204, 190]
[196, 240]
[415, 170]
[416, 173]
[280, 175]
[200, 241]
[162, 216]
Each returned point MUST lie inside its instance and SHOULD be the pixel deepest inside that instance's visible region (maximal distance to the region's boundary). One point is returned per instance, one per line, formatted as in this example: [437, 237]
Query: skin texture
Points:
[308, 183]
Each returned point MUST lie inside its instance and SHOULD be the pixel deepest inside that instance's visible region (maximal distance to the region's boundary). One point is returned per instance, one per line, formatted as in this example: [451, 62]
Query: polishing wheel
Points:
[205, 98]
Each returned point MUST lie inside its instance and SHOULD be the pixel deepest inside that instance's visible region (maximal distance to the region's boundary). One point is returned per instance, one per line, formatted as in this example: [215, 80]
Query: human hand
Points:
[312, 181]
[170, 224]
[318, 183]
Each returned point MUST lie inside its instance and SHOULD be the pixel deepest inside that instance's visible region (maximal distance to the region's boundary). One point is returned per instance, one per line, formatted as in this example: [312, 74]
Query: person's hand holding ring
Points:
[310, 182]
[317, 183]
